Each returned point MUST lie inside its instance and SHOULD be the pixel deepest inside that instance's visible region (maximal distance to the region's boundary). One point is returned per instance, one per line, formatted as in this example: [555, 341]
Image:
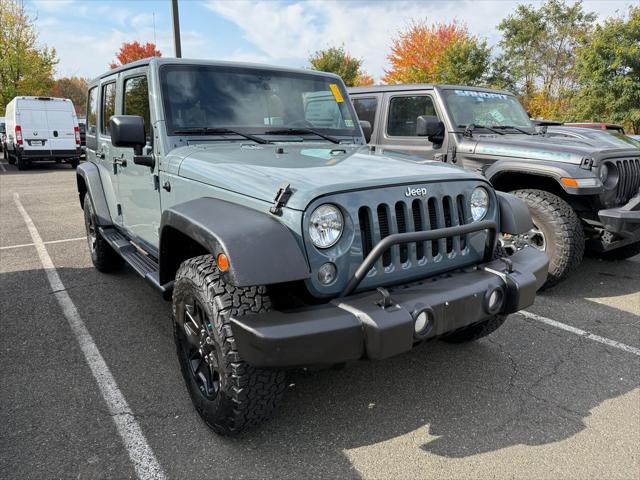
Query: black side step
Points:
[145, 265]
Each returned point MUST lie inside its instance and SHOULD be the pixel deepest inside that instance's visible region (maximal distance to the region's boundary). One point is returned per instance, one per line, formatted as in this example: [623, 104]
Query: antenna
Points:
[155, 42]
[176, 28]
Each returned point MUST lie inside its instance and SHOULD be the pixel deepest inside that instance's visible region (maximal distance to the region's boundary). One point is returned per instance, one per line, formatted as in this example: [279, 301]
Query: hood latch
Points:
[282, 197]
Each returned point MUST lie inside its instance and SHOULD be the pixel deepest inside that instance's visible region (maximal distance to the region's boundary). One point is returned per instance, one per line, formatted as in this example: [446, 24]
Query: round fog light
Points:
[422, 324]
[494, 300]
[327, 273]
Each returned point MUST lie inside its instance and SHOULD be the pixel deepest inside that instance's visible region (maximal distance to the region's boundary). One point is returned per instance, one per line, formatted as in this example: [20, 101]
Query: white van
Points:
[41, 128]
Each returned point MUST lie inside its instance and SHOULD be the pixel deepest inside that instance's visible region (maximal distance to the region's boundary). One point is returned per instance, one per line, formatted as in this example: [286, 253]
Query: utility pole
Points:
[176, 28]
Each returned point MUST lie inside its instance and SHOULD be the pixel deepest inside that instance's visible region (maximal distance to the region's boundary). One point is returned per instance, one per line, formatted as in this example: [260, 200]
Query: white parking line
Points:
[144, 461]
[582, 333]
[9, 247]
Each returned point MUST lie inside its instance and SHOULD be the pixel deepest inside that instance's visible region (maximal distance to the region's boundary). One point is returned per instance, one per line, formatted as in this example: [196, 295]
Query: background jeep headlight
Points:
[325, 226]
[609, 175]
[479, 203]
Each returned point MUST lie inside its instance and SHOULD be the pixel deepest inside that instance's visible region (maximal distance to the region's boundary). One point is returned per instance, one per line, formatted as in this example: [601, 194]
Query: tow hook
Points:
[385, 301]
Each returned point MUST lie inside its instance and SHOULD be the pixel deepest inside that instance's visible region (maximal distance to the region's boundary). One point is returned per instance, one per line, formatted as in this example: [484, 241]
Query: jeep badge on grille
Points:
[415, 192]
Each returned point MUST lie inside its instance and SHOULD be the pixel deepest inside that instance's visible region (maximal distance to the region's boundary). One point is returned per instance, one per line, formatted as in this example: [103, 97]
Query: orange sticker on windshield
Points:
[336, 92]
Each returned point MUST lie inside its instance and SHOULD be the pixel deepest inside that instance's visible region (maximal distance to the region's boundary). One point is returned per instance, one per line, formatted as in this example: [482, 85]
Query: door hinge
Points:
[119, 209]
[156, 182]
[282, 197]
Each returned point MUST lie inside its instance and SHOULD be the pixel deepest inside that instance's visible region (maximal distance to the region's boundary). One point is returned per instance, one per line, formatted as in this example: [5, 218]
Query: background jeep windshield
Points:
[489, 109]
[253, 100]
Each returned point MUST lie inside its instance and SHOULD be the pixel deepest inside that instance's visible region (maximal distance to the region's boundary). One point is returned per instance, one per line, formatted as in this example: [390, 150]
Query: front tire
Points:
[557, 224]
[230, 395]
[104, 258]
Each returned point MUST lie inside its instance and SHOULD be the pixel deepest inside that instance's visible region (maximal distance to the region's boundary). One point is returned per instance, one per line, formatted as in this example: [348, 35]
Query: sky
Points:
[87, 33]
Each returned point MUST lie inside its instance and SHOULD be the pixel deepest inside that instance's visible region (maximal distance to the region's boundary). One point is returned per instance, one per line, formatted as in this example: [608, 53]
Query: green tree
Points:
[73, 88]
[608, 72]
[25, 67]
[539, 52]
[337, 60]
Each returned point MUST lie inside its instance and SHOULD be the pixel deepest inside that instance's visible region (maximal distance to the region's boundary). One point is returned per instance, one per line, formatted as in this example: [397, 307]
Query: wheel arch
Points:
[88, 181]
[260, 249]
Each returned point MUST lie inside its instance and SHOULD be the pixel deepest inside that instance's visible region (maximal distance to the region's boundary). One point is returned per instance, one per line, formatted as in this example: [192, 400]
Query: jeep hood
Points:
[538, 147]
[312, 170]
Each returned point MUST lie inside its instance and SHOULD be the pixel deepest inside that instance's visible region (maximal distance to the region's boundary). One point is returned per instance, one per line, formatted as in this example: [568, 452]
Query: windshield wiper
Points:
[468, 129]
[219, 131]
[507, 127]
[299, 131]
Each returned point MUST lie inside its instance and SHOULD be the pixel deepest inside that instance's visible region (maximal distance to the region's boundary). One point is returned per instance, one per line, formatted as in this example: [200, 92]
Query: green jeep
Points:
[245, 196]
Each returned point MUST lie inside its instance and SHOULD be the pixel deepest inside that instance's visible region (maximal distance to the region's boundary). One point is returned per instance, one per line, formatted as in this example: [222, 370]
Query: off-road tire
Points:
[247, 396]
[621, 253]
[564, 235]
[476, 331]
[103, 256]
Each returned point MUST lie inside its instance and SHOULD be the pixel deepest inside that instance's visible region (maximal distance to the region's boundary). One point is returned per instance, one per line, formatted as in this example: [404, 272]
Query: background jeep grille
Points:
[628, 180]
[413, 216]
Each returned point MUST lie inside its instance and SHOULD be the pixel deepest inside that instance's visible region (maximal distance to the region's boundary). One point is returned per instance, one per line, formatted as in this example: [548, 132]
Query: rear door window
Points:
[108, 106]
[366, 109]
[403, 113]
[92, 109]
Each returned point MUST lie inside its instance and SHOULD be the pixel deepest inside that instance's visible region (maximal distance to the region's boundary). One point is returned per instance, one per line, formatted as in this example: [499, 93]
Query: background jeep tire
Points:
[230, 395]
[563, 232]
[475, 331]
[621, 253]
[104, 258]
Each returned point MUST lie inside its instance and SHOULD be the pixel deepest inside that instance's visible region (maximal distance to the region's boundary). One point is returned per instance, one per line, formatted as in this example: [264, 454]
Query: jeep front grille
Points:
[378, 222]
[628, 179]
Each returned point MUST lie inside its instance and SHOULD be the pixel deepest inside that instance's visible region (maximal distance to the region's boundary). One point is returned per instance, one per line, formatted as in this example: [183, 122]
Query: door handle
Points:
[101, 155]
[121, 162]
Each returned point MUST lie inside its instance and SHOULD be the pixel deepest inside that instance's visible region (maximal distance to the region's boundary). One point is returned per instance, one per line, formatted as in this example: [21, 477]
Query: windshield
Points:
[488, 109]
[253, 100]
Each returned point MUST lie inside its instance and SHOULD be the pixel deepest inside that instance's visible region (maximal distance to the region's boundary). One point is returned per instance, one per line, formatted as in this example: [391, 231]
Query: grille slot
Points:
[379, 221]
[383, 222]
[629, 179]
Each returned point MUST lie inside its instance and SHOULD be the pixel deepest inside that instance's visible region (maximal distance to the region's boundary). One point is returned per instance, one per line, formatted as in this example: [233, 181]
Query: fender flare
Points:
[515, 217]
[551, 170]
[91, 177]
[260, 249]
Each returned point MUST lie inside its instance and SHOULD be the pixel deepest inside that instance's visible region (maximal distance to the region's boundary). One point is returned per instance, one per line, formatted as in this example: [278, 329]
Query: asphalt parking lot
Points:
[533, 400]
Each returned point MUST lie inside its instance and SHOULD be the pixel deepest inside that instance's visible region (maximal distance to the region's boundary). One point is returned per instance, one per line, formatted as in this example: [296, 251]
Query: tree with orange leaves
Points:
[132, 51]
[437, 53]
[337, 60]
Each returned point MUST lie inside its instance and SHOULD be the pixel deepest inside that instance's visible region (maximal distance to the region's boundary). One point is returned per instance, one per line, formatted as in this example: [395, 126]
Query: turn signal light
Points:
[76, 131]
[223, 262]
[569, 182]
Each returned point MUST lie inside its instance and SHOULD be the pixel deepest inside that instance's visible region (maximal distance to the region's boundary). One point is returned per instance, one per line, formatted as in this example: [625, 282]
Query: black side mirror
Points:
[128, 131]
[366, 129]
[431, 127]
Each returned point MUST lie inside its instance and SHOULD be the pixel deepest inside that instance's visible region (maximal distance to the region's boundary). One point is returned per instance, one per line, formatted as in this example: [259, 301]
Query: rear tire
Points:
[621, 253]
[10, 158]
[104, 258]
[21, 162]
[562, 230]
[230, 395]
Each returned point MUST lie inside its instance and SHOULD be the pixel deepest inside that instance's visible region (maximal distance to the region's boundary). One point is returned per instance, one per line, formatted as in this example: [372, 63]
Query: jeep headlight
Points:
[325, 225]
[609, 175]
[479, 203]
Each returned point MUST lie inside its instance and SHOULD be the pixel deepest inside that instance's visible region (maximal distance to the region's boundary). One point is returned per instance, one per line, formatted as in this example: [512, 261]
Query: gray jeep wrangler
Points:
[578, 190]
[251, 201]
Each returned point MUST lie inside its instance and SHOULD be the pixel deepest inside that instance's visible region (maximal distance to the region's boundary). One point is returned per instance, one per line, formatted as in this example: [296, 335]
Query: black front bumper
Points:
[358, 326]
[624, 222]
